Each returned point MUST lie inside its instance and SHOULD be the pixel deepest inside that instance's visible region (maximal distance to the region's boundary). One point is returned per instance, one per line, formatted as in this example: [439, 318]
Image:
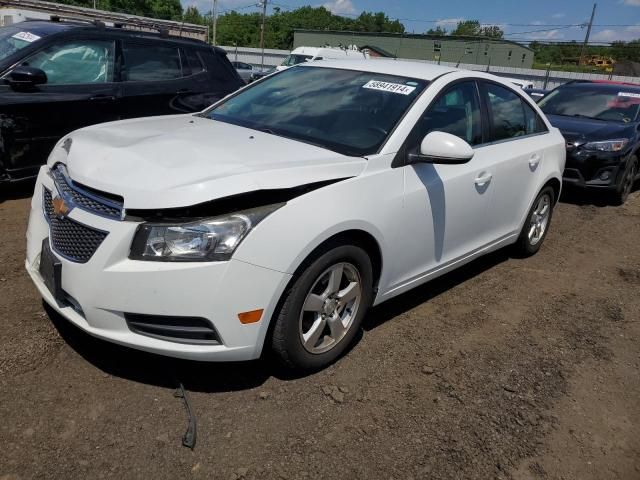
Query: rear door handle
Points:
[483, 179]
[534, 160]
[182, 91]
[102, 98]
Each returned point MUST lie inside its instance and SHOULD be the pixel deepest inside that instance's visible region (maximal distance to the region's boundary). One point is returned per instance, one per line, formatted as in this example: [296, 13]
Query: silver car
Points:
[244, 70]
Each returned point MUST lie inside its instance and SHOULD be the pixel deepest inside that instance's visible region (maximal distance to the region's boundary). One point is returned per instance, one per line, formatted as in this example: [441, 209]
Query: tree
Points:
[473, 28]
[192, 15]
[244, 29]
[492, 31]
[438, 31]
[470, 28]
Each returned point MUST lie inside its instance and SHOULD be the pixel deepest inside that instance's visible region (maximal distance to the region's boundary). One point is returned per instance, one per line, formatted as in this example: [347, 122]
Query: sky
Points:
[522, 20]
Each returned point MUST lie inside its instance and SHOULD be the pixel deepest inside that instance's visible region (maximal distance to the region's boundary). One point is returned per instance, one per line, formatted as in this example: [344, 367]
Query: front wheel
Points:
[321, 312]
[626, 182]
[537, 224]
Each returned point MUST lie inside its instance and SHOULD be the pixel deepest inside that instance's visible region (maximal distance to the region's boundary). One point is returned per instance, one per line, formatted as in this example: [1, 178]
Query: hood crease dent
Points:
[181, 160]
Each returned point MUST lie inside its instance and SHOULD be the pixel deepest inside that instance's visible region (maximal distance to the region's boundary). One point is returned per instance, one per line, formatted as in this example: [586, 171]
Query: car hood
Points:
[184, 160]
[582, 130]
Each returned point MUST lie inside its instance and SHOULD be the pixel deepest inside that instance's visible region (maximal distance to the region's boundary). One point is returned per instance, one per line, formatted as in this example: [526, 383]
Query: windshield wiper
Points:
[579, 115]
[266, 130]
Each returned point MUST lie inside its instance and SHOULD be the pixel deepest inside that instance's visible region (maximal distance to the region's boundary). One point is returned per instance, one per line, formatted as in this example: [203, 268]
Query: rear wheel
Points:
[537, 224]
[626, 183]
[322, 311]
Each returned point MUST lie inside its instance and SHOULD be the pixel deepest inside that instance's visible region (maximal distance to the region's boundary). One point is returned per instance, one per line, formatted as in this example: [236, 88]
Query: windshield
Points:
[292, 60]
[592, 102]
[347, 111]
[14, 38]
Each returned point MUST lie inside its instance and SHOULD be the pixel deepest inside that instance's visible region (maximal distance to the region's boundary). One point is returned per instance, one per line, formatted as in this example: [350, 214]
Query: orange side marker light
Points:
[250, 317]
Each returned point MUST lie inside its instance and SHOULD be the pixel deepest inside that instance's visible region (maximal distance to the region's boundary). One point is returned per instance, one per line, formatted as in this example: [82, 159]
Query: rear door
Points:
[154, 76]
[518, 150]
[208, 82]
[80, 91]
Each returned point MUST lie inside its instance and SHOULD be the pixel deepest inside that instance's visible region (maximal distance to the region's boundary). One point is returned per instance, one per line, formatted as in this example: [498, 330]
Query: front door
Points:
[447, 206]
[80, 91]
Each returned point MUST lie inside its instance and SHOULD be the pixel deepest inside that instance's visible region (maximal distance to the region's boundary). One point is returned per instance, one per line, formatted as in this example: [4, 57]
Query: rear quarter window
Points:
[219, 67]
[534, 124]
[147, 62]
[194, 61]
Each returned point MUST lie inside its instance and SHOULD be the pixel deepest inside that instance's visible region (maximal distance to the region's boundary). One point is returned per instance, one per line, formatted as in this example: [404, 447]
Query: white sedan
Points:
[273, 220]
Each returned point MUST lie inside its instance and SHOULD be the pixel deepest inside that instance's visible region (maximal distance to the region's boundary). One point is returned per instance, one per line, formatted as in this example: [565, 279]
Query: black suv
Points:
[601, 123]
[57, 76]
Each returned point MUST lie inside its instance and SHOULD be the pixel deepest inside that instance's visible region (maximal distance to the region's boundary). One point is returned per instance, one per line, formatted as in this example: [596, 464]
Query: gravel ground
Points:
[507, 368]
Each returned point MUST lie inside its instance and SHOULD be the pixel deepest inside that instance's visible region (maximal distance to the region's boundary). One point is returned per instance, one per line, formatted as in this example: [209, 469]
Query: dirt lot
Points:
[510, 368]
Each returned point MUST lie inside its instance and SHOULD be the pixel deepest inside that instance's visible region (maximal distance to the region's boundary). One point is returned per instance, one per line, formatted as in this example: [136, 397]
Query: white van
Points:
[309, 54]
[520, 82]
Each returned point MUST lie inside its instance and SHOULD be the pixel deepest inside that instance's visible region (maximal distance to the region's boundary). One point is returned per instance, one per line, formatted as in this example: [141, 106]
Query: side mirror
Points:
[441, 147]
[24, 76]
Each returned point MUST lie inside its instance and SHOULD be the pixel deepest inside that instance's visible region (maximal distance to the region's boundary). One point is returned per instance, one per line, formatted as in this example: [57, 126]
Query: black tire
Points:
[286, 342]
[524, 247]
[627, 181]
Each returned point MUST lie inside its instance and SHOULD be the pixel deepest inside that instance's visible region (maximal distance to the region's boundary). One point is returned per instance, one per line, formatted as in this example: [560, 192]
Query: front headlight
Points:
[207, 240]
[607, 146]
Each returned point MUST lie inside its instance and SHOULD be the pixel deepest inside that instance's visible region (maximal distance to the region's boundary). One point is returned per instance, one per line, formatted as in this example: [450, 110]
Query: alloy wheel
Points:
[539, 219]
[330, 307]
[627, 183]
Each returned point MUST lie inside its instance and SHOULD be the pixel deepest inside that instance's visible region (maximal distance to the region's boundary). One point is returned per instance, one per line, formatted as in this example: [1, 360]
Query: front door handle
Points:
[483, 179]
[102, 98]
[534, 160]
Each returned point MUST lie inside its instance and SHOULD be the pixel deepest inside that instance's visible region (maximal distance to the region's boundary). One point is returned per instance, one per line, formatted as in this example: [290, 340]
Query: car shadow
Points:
[585, 197]
[209, 377]
[430, 290]
[152, 369]
[16, 191]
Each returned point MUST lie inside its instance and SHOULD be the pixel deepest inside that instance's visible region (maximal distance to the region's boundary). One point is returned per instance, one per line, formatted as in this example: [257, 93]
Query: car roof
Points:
[48, 27]
[42, 27]
[424, 71]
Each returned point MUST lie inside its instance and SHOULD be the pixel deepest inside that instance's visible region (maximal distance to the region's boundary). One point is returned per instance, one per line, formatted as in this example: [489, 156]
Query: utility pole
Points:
[214, 20]
[264, 18]
[586, 39]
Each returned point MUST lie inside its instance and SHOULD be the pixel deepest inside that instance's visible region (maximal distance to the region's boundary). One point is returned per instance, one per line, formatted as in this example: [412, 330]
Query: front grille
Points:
[193, 330]
[73, 240]
[100, 203]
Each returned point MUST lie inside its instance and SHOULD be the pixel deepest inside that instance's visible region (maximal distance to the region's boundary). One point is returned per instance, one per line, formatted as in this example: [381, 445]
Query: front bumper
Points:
[589, 170]
[111, 285]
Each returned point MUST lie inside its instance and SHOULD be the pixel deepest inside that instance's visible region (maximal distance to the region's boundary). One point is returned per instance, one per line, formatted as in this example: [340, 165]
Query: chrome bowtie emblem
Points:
[60, 207]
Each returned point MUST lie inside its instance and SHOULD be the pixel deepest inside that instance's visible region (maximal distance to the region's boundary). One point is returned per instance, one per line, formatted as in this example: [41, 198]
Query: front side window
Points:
[507, 112]
[347, 111]
[593, 101]
[75, 62]
[148, 63]
[457, 112]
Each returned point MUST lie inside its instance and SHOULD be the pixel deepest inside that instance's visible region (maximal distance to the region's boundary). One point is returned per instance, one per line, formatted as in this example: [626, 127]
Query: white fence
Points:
[540, 78]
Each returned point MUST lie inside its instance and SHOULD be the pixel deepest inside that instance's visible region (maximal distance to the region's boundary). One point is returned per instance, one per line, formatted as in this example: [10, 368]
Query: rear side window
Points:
[146, 63]
[507, 112]
[75, 62]
[194, 61]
